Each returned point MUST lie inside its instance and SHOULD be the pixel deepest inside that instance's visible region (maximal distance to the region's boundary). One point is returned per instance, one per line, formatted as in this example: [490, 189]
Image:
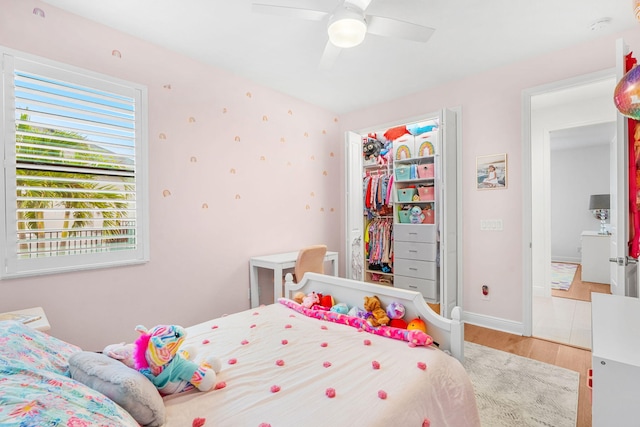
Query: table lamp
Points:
[599, 205]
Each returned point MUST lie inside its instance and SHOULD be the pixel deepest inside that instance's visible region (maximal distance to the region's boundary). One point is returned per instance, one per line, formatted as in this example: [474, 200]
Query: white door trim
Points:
[527, 191]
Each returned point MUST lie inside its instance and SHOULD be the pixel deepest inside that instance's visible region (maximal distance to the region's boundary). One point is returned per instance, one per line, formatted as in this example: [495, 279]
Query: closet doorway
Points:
[572, 128]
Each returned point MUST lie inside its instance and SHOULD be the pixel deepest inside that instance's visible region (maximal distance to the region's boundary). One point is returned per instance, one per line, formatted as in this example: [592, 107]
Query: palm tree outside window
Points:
[77, 169]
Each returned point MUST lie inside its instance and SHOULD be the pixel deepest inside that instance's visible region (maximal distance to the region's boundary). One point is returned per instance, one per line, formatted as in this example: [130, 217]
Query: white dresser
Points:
[595, 257]
[415, 251]
[616, 360]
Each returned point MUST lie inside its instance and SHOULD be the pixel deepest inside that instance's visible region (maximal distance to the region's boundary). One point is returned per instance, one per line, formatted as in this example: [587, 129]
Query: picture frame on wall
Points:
[491, 172]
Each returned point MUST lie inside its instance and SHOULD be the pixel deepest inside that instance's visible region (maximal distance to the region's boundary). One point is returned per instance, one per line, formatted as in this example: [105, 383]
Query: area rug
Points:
[562, 275]
[513, 390]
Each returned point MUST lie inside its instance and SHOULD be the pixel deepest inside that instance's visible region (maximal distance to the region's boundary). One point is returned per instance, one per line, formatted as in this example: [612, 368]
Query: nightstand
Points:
[595, 257]
[42, 324]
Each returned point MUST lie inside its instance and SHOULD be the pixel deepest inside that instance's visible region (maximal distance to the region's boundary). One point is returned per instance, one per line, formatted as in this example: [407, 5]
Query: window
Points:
[74, 181]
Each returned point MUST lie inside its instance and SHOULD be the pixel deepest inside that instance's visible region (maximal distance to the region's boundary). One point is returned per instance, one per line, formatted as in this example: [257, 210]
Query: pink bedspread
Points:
[281, 368]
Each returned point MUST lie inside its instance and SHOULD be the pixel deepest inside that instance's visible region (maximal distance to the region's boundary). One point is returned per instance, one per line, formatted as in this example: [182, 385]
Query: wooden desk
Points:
[42, 324]
[278, 263]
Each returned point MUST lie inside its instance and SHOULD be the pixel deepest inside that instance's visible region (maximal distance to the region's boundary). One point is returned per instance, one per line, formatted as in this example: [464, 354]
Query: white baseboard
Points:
[570, 260]
[491, 322]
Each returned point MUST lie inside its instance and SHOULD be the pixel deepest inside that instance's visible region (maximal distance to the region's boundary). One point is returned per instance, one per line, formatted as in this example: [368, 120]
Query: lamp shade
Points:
[599, 201]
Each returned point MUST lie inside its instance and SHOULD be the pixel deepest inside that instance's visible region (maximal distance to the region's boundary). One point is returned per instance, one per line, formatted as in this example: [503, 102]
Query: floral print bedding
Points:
[37, 350]
[39, 398]
[35, 387]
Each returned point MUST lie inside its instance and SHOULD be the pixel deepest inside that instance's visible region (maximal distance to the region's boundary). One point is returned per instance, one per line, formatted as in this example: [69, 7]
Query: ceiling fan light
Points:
[347, 32]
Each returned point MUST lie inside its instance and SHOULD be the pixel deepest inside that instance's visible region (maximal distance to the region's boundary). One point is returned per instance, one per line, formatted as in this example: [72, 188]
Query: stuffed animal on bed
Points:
[376, 315]
[311, 300]
[157, 356]
[122, 352]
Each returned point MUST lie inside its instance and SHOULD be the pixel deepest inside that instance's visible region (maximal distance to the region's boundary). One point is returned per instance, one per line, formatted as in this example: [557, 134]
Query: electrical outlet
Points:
[491, 225]
[484, 293]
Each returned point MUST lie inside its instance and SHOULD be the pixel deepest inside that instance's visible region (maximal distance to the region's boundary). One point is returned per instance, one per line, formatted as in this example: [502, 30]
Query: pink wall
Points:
[236, 170]
[491, 123]
[292, 197]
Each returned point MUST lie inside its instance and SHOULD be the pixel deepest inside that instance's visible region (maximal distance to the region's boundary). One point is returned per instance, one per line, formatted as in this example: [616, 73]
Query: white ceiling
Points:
[596, 93]
[283, 53]
[583, 136]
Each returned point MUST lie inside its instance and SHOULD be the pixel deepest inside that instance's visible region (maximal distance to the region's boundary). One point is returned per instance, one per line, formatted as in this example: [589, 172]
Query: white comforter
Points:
[278, 365]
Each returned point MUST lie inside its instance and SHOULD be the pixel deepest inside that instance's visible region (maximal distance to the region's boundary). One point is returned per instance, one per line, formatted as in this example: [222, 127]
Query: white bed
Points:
[278, 365]
[280, 368]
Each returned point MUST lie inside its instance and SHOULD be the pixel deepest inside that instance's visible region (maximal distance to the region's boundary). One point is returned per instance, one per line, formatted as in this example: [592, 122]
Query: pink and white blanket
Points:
[283, 368]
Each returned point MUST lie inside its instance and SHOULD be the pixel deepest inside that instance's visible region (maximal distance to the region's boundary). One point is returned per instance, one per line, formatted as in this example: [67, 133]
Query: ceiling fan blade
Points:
[390, 27]
[289, 12]
[329, 56]
[360, 4]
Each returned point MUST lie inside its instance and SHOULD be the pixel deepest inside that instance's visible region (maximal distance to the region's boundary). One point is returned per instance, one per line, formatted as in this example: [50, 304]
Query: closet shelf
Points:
[415, 159]
[416, 202]
[379, 272]
[415, 180]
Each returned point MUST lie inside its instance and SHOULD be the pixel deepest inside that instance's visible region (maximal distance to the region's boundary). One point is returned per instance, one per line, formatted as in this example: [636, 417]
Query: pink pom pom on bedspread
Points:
[413, 337]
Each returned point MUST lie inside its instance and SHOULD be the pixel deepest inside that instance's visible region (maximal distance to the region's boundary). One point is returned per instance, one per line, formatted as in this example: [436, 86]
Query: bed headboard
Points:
[448, 333]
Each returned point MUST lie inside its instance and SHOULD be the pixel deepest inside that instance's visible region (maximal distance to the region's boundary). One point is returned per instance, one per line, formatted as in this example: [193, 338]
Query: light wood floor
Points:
[565, 356]
[581, 290]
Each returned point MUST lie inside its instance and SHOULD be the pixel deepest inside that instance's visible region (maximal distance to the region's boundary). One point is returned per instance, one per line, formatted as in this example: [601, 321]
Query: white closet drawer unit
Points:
[425, 233]
[413, 268]
[415, 250]
[427, 288]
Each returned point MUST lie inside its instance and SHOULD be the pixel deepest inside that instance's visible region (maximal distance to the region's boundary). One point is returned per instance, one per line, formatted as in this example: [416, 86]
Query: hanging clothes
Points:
[376, 194]
[379, 244]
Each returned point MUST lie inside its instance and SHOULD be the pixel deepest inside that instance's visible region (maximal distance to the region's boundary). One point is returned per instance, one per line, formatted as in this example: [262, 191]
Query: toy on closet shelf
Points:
[371, 149]
[374, 149]
[415, 215]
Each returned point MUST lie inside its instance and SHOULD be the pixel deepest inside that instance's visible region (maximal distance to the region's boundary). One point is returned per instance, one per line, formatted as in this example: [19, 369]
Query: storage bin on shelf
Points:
[403, 147]
[426, 170]
[429, 214]
[424, 144]
[403, 216]
[406, 194]
[426, 193]
[403, 172]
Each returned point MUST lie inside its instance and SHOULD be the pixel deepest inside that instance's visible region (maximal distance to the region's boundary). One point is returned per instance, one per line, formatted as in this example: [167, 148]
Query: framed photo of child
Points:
[491, 172]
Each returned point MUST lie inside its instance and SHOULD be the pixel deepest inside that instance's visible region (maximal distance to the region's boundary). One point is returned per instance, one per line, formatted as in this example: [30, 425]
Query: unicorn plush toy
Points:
[158, 354]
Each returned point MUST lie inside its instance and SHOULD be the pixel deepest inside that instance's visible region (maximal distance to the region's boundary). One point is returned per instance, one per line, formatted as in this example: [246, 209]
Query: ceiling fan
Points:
[348, 24]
